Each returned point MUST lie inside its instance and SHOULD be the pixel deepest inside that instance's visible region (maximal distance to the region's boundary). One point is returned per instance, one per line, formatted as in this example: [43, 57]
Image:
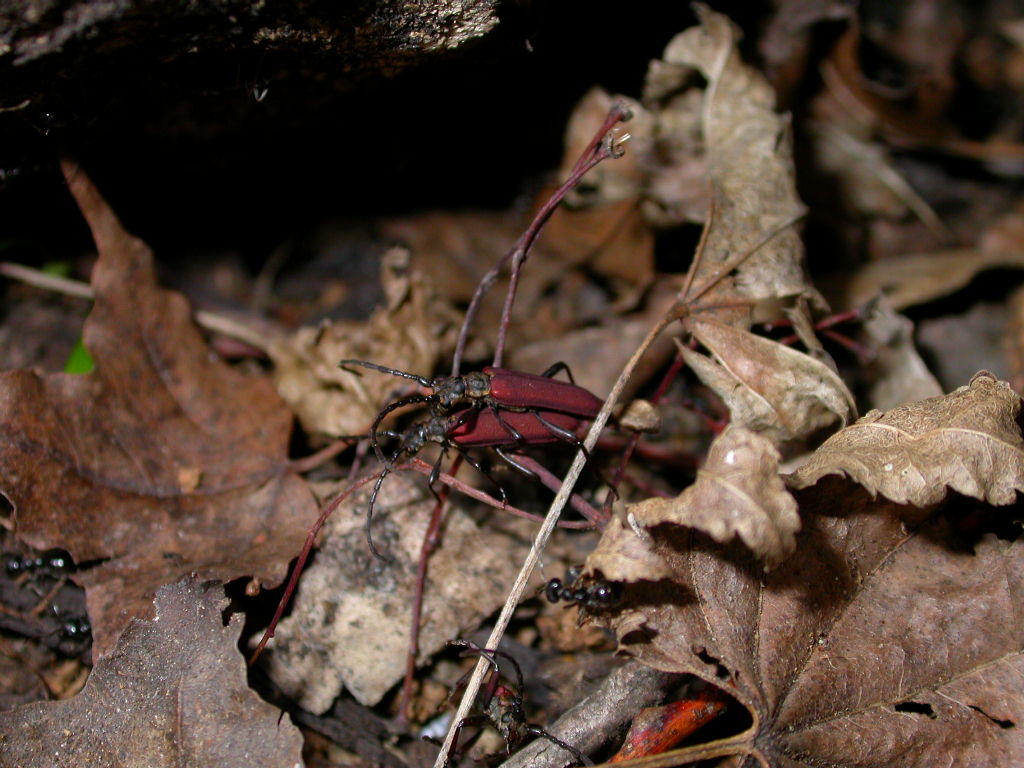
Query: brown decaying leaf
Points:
[738, 493]
[750, 164]
[896, 372]
[916, 278]
[874, 645]
[770, 388]
[409, 333]
[751, 170]
[162, 461]
[967, 441]
[349, 625]
[172, 692]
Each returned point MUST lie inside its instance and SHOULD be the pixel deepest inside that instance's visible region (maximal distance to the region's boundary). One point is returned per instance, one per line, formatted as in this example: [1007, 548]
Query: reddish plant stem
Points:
[300, 563]
[467, 490]
[430, 540]
[658, 454]
[597, 518]
[666, 381]
[824, 326]
[597, 150]
[321, 457]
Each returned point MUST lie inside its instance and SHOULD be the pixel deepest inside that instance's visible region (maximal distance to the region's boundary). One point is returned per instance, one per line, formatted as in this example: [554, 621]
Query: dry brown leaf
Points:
[862, 174]
[454, 250]
[750, 163]
[173, 692]
[897, 373]
[349, 624]
[967, 441]
[737, 493]
[626, 553]
[768, 387]
[611, 240]
[778, 391]
[875, 645]
[160, 462]
[410, 333]
[917, 278]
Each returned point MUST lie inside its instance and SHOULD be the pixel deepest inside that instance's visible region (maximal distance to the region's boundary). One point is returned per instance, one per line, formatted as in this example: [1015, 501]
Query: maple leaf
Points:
[893, 635]
[160, 462]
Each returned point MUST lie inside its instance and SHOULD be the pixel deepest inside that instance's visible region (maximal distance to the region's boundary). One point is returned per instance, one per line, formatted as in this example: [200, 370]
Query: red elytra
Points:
[516, 389]
[478, 428]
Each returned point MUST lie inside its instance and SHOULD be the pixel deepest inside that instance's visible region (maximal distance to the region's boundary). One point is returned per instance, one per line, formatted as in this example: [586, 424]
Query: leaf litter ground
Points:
[885, 635]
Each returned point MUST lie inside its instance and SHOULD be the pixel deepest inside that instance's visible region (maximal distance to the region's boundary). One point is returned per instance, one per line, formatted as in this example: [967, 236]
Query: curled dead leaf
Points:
[738, 493]
[768, 387]
[626, 553]
[410, 333]
[897, 372]
[967, 441]
[750, 161]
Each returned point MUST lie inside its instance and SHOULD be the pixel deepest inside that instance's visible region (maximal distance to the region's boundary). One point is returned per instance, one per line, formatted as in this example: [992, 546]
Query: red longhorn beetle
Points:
[496, 408]
[520, 417]
[512, 391]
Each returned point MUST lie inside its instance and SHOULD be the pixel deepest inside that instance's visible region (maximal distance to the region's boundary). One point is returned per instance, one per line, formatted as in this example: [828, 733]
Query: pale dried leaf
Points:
[677, 190]
[967, 441]
[640, 415]
[751, 166]
[768, 387]
[916, 278]
[898, 374]
[349, 625]
[410, 333]
[626, 553]
[738, 493]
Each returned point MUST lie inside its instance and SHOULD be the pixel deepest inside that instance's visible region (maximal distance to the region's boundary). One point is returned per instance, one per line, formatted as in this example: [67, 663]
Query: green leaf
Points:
[79, 361]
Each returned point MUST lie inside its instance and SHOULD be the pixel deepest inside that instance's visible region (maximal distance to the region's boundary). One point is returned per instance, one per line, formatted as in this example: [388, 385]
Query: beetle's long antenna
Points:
[394, 372]
[381, 416]
[388, 466]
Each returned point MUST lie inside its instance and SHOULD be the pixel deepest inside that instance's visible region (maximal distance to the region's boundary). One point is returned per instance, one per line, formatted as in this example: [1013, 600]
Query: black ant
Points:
[503, 706]
[77, 629]
[74, 635]
[597, 594]
[53, 563]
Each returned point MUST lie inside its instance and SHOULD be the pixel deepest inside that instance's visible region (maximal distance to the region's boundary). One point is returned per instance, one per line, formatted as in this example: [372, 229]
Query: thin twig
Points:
[430, 540]
[211, 321]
